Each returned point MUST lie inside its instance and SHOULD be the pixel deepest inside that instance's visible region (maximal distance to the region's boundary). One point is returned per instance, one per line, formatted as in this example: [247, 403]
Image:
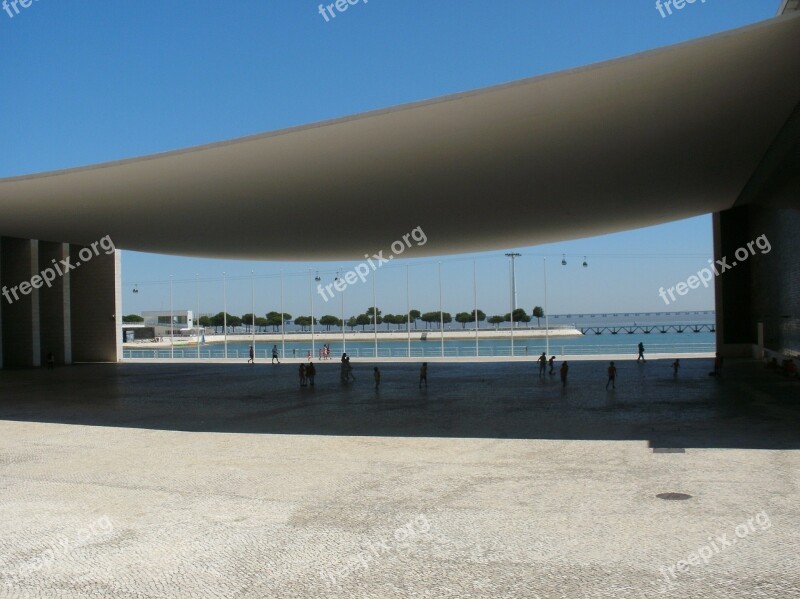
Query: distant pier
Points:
[646, 329]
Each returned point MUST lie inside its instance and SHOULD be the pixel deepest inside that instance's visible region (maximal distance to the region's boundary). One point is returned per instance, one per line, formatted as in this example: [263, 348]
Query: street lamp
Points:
[513, 256]
[225, 311]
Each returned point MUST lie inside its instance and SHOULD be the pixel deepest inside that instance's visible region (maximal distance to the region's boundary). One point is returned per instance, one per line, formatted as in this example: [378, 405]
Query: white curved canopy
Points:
[642, 140]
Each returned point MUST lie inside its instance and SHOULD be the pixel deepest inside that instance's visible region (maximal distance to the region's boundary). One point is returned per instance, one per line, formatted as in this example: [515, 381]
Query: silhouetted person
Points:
[564, 371]
[641, 352]
[552, 362]
[612, 376]
[423, 375]
[675, 367]
[275, 354]
[347, 368]
[302, 373]
[252, 359]
[311, 372]
[542, 364]
[717, 366]
[51, 361]
[377, 374]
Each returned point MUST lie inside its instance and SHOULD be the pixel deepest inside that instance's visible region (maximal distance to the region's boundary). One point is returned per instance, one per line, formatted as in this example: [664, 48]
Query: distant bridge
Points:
[649, 328]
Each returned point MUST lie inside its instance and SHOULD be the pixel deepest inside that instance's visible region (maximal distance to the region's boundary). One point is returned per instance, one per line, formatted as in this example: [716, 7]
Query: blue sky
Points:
[93, 81]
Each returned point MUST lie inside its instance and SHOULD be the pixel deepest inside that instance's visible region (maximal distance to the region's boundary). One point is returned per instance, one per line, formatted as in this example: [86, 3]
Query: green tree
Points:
[247, 321]
[205, 321]
[218, 320]
[329, 320]
[466, 317]
[371, 312]
[415, 316]
[262, 323]
[519, 316]
[132, 318]
[363, 320]
[437, 317]
[352, 322]
[303, 322]
[275, 321]
[496, 320]
[537, 314]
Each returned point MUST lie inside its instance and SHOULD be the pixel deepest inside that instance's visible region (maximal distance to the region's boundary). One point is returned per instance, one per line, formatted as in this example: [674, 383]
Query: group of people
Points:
[347, 370]
[307, 374]
[324, 352]
[611, 370]
[563, 371]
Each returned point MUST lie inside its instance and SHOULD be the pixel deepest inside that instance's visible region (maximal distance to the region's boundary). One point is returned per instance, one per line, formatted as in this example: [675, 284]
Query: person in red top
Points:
[612, 376]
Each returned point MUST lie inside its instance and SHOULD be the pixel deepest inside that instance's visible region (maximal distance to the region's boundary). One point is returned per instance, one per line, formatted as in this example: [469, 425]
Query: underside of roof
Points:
[646, 139]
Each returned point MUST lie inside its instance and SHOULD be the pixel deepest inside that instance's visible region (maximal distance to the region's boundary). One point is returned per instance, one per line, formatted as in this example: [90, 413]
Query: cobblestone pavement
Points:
[175, 481]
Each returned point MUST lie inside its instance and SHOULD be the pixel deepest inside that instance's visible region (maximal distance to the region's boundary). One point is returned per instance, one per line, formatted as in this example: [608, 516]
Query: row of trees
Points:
[276, 319]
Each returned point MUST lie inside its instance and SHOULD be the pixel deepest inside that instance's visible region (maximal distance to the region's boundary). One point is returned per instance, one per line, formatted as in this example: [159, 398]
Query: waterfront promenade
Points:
[185, 480]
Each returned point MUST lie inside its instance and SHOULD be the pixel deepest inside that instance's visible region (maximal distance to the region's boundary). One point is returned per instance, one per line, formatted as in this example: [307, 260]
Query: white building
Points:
[182, 322]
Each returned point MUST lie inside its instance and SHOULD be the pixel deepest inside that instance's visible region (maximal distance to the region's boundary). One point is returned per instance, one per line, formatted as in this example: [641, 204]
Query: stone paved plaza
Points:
[172, 481]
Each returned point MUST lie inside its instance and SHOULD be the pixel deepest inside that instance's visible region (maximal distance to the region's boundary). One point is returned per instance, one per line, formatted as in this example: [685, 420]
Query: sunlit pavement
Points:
[231, 481]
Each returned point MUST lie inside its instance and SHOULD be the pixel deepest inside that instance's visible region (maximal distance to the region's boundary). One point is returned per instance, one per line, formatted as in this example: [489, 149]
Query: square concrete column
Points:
[19, 264]
[54, 302]
[95, 304]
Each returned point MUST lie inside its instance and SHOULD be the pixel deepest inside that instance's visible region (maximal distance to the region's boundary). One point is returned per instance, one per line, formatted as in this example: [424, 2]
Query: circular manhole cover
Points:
[673, 496]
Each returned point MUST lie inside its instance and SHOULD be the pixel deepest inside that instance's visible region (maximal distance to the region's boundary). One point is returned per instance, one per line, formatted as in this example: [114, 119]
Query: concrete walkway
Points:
[189, 480]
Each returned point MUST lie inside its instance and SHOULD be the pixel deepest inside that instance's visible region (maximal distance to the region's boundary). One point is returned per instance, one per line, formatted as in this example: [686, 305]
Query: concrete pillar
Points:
[19, 265]
[95, 304]
[54, 303]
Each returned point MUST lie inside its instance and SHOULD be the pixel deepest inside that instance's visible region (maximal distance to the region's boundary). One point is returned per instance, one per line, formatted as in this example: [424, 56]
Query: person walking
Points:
[717, 366]
[252, 359]
[552, 362]
[275, 354]
[311, 372]
[641, 352]
[349, 369]
[377, 375]
[564, 371]
[423, 375]
[675, 366]
[542, 364]
[302, 374]
[612, 376]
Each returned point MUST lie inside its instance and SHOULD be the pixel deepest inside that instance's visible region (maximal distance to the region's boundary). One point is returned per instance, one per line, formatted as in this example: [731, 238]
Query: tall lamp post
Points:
[546, 312]
[225, 311]
[513, 256]
[311, 296]
[171, 322]
[408, 311]
[197, 316]
[341, 297]
[283, 323]
[253, 312]
[441, 314]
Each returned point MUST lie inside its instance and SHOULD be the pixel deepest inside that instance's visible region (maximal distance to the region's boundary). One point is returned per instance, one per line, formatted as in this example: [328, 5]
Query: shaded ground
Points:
[749, 407]
[170, 482]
